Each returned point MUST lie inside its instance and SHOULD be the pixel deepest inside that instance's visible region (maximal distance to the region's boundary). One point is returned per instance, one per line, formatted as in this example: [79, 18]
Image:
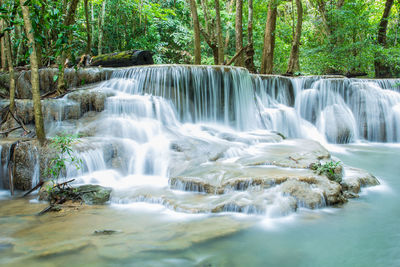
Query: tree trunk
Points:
[382, 70]
[8, 56]
[88, 29]
[205, 12]
[8, 53]
[294, 63]
[18, 36]
[92, 20]
[37, 106]
[229, 7]
[69, 20]
[249, 59]
[267, 61]
[196, 27]
[3, 53]
[239, 32]
[384, 22]
[220, 43]
[101, 23]
[39, 47]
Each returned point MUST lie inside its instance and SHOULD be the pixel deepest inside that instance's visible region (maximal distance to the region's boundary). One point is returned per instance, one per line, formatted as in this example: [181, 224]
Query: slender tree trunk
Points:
[205, 11]
[294, 62]
[3, 53]
[267, 61]
[69, 20]
[196, 27]
[37, 106]
[382, 70]
[210, 32]
[229, 7]
[88, 29]
[8, 56]
[249, 60]
[219, 34]
[92, 21]
[41, 24]
[18, 36]
[239, 32]
[8, 53]
[101, 24]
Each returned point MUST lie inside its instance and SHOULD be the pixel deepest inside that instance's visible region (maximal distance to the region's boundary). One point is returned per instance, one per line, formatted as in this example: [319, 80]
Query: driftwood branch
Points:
[19, 121]
[8, 113]
[52, 206]
[33, 189]
[237, 55]
[10, 130]
[53, 94]
[64, 183]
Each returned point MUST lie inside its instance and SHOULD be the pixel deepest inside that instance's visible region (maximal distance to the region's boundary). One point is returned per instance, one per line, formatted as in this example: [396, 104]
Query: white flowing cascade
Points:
[154, 113]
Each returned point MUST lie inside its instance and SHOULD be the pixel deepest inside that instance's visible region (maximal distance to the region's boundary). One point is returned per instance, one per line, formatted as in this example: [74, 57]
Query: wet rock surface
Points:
[72, 107]
[93, 194]
[355, 179]
[74, 78]
[278, 168]
[279, 177]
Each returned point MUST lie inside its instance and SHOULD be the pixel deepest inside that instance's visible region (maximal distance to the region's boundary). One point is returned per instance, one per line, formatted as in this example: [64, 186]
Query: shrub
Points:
[328, 169]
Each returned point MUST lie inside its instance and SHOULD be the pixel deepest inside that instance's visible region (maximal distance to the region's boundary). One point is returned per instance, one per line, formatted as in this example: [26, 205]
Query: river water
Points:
[363, 232]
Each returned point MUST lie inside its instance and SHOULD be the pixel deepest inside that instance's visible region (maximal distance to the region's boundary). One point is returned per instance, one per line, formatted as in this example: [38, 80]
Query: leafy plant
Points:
[328, 169]
[58, 165]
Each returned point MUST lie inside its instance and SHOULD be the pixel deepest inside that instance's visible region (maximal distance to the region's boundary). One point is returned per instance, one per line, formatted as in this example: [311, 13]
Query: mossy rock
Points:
[124, 59]
[94, 194]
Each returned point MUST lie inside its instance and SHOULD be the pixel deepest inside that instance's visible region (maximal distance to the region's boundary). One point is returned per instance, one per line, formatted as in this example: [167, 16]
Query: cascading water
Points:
[166, 130]
[343, 110]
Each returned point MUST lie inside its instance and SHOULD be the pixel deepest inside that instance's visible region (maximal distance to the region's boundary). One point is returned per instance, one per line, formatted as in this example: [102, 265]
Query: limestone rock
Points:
[47, 83]
[303, 193]
[355, 178]
[94, 194]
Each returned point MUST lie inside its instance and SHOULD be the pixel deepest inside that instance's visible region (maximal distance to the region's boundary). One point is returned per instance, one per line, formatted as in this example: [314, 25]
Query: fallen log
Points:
[124, 59]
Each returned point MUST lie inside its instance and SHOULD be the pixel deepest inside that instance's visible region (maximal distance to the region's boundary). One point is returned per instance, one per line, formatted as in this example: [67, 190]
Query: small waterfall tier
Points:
[325, 108]
[342, 110]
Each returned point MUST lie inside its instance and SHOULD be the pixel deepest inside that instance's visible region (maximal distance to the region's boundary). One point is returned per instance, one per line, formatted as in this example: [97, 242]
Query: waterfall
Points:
[342, 110]
[200, 94]
[203, 139]
[335, 109]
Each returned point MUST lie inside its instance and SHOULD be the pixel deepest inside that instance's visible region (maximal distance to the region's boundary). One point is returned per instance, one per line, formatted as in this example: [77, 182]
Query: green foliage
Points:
[335, 40]
[328, 169]
[65, 156]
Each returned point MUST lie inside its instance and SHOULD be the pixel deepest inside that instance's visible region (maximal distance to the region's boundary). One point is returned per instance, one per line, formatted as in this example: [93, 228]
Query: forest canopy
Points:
[349, 37]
